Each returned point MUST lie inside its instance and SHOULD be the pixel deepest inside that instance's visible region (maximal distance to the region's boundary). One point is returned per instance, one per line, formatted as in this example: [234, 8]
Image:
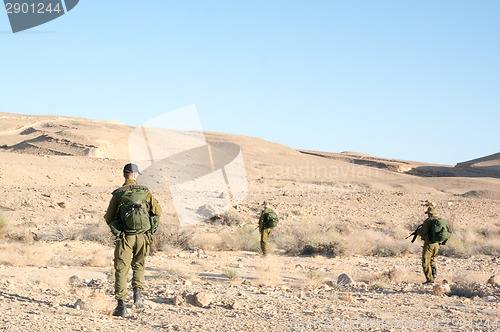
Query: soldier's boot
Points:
[120, 309]
[137, 298]
[434, 272]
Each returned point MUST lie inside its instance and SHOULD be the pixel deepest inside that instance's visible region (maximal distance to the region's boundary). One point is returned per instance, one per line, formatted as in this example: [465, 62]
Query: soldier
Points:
[430, 249]
[133, 214]
[267, 221]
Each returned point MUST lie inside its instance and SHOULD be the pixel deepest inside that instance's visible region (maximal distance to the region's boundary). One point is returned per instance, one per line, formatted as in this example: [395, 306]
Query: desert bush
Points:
[174, 269]
[20, 233]
[309, 237]
[315, 275]
[167, 235]
[97, 232]
[334, 248]
[22, 254]
[207, 241]
[246, 237]
[228, 218]
[467, 289]
[379, 285]
[231, 274]
[3, 221]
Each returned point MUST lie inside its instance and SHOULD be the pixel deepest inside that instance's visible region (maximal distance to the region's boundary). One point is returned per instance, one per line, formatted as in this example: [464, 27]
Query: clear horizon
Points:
[405, 80]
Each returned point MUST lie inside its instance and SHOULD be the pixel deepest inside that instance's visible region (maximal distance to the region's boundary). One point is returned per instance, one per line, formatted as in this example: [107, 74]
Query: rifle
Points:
[415, 233]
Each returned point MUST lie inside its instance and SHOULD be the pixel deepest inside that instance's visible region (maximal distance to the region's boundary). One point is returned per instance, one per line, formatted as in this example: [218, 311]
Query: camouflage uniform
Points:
[265, 233]
[429, 250]
[130, 249]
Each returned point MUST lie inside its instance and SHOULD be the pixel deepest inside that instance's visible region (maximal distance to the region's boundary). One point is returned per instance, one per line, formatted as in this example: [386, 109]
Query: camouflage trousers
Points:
[429, 253]
[264, 238]
[131, 250]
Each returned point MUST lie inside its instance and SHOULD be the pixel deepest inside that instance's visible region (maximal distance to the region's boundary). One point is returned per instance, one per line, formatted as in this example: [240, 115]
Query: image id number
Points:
[31, 8]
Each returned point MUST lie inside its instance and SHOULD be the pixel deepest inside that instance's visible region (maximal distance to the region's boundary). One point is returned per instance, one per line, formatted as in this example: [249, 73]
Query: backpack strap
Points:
[125, 188]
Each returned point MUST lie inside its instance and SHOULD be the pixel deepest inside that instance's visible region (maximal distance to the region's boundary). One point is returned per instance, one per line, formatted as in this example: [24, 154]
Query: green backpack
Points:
[133, 210]
[439, 232]
[270, 219]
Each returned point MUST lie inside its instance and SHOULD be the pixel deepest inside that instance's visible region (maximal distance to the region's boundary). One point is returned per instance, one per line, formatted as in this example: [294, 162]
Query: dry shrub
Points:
[208, 241]
[232, 274]
[168, 235]
[20, 233]
[98, 232]
[269, 271]
[83, 254]
[336, 239]
[3, 221]
[379, 243]
[466, 285]
[174, 269]
[464, 243]
[379, 285]
[246, 237]
[99, 258]
[316, 275]
[53, 281]
[229, 218]
[21, 254]
[309, 237]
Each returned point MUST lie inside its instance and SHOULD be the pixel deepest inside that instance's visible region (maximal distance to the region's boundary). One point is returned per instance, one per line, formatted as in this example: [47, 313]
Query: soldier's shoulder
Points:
[130, 187]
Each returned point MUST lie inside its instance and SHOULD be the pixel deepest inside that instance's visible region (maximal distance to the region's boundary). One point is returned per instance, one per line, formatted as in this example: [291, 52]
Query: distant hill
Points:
[61, 135]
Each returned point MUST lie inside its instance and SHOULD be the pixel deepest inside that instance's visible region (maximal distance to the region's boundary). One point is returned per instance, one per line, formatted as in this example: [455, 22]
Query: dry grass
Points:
[334, 239]
[232, 274]
[464, 243]
[52, 281]
[100, 257]
[3, 221]
[174, 269]
[269, 271]
[467, 285]
[98, 232]
[81, 254]
[245, 238]
[22, 254]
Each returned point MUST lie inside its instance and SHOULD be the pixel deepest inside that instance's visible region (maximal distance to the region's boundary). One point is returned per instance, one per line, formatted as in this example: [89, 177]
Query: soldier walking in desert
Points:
[434, 231]
[267, 221]
[133, 214]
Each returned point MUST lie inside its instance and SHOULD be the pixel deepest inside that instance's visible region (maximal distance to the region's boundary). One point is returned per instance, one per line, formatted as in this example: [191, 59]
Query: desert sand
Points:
[340, 213]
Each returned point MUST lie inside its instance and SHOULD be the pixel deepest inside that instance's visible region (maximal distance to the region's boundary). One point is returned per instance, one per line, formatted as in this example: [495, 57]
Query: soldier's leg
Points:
[266, 233]
[426, 262]
[123, 255]
[434, 248]
[140, 252]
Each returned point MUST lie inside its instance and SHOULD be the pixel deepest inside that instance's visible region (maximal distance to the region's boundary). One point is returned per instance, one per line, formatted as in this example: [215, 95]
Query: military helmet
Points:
[431, 210]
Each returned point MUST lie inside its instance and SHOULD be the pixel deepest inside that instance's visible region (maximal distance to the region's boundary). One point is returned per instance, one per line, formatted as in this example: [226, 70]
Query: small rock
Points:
[151, 304]
[79, 304]
[238, 305]
[203, 299]
[188, 282]
[178, 300]
[62, 205]
[493, 280]
[438, 290]
[345, 280]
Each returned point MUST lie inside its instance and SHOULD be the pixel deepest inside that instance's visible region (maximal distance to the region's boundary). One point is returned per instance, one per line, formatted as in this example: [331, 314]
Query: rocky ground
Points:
[244, 291]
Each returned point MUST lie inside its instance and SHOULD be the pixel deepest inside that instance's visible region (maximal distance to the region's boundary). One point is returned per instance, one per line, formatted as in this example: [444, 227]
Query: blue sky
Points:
[415, 80]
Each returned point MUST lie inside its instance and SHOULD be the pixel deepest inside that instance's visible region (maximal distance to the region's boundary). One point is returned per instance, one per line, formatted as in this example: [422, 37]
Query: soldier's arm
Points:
[155, 208]
[110, 212]
[425, 228]
[261, 222]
